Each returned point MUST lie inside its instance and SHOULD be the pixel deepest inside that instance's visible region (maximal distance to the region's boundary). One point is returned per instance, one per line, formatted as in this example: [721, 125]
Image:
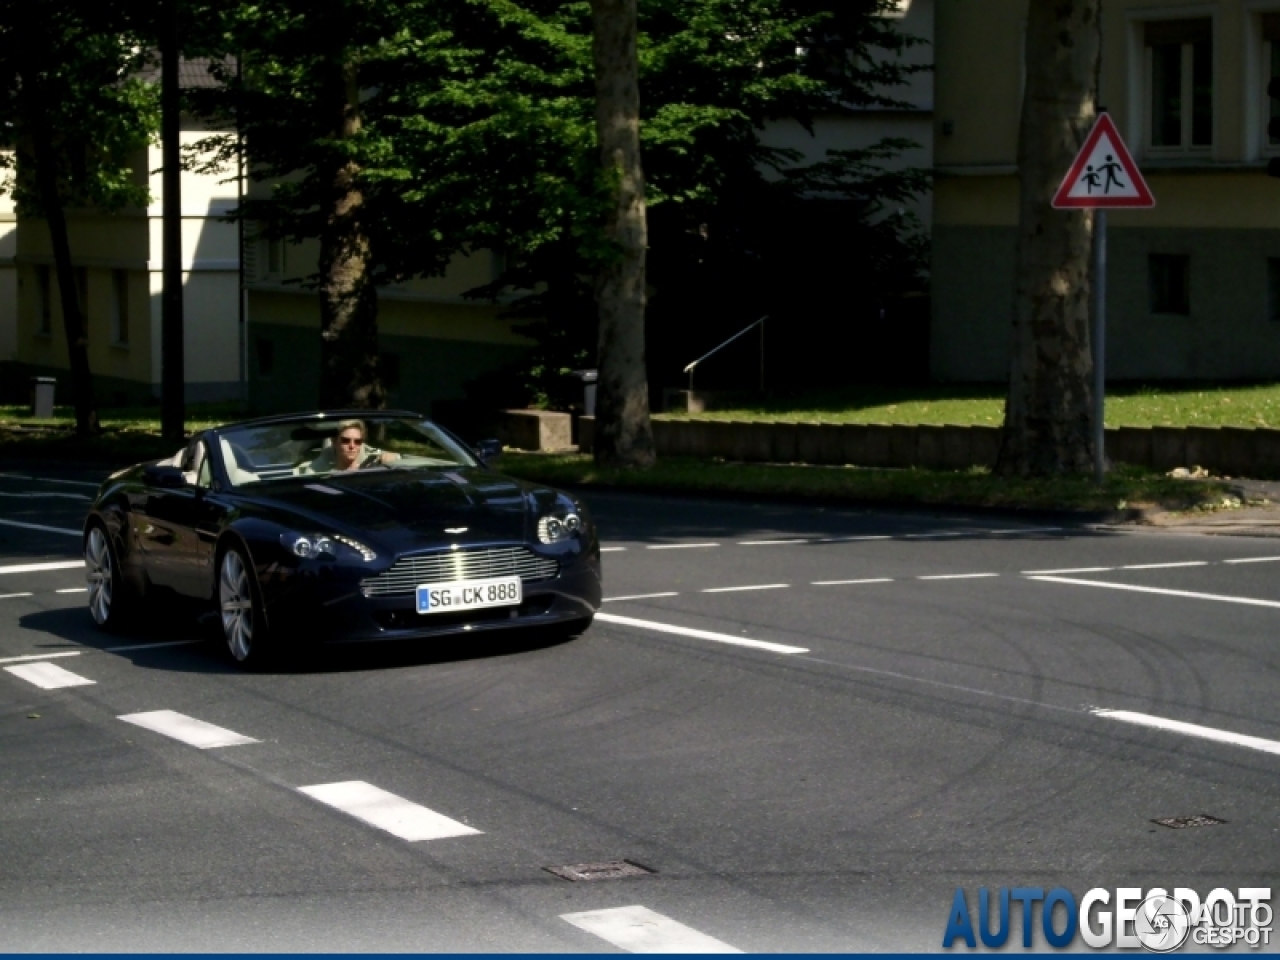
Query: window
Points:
[119, 308]
[1180, 83]
[266, 358]
[1271, 64]
[44, 301]
[1170, 283]
[1273, 290]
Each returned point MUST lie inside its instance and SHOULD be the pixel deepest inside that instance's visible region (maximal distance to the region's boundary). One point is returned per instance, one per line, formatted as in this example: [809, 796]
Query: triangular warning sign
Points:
[1103, 174]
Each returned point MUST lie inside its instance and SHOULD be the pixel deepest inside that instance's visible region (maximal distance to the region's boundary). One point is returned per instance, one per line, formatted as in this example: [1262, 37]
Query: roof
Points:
[193, 72]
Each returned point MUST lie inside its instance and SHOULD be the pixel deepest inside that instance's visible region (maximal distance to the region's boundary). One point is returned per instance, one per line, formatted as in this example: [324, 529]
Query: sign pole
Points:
[1099, 342]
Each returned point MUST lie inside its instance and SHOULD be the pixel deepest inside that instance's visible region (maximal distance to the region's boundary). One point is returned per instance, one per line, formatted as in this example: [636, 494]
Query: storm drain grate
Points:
[1181, 823]
[609, 870]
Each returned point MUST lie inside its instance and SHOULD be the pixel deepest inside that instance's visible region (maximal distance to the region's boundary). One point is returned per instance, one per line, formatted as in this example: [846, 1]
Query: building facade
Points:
[1194, 284]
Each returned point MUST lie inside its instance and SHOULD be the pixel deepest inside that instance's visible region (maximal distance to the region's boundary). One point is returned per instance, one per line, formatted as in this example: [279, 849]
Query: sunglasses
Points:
[351, 441]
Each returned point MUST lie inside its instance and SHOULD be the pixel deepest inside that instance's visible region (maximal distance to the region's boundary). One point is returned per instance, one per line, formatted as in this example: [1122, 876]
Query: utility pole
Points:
[172, 361]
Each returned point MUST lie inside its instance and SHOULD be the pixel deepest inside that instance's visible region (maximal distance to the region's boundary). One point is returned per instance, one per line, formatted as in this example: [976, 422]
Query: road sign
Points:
[1103, 175]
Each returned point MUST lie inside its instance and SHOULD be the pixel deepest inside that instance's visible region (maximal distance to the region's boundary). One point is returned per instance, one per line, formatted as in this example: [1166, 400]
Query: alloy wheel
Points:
[236, 605]
[99, 574]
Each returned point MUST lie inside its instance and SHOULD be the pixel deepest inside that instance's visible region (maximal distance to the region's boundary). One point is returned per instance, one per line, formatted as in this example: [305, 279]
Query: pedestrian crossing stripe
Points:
[1104, 174]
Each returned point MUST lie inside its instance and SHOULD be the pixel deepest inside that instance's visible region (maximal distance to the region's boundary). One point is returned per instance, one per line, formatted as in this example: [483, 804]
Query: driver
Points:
[348, 452]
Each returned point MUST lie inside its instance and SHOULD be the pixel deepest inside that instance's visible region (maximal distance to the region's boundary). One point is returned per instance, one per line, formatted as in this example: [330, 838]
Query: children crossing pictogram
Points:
[1103, 174]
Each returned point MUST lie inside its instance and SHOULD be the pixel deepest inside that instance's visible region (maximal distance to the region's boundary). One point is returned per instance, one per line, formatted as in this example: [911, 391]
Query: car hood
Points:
[409, 509]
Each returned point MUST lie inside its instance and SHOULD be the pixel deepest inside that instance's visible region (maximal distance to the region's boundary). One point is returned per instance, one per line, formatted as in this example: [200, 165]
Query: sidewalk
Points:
[1256, 520]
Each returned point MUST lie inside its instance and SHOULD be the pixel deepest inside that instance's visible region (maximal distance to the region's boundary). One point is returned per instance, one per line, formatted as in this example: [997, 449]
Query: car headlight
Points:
[554, 529]
[321, 545]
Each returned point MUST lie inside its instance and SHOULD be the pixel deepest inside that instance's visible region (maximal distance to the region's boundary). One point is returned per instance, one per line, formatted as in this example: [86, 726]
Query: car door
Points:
[168, 534]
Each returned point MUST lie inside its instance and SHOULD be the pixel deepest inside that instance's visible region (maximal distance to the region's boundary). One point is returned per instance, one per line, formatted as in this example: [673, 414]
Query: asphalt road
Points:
[813, 725]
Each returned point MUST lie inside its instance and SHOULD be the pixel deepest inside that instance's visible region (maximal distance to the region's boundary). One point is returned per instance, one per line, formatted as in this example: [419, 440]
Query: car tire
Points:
[112, 602]
[240, 609]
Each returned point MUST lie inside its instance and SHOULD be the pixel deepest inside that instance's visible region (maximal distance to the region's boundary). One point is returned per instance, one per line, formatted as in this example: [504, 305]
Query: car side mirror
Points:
[157, 476]
[488, 450]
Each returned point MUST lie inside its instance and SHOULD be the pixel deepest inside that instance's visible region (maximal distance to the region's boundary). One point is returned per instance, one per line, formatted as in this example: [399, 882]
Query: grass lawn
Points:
[1125, 486]
[1128, 405]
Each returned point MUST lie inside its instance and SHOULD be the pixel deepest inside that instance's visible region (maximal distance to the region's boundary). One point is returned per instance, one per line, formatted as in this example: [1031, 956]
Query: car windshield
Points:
[313, 447]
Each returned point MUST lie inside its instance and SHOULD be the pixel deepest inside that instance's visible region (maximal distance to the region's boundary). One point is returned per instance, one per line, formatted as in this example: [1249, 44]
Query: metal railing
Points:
[759, 323]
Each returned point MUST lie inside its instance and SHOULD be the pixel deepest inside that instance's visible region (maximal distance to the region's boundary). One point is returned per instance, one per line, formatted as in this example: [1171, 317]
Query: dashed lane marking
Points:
[771, 543]
[699, 634]
[41, 656]
[958, 576]
[641, 596]
[73, 590]
[613, 549]
[40, 567]
[839, 583]
[1252, 560]
[1190, 594]
[1032, 573]
[14, 596]
[1190, 730]
[386, 811]
[1165, 566]
[189, 730]
[759, 586]
[679, 546]
[48, 676]
[638, 929]
[41, 527]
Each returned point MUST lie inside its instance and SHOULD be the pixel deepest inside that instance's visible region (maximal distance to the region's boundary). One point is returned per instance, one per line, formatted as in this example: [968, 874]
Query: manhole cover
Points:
[609, 870]
[1181, 823]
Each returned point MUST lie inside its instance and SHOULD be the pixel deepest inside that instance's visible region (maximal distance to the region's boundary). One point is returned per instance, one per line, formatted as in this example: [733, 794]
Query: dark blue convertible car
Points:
[340, 526]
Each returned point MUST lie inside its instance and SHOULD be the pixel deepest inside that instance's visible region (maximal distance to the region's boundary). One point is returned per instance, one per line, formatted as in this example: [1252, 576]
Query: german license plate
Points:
[469, 595]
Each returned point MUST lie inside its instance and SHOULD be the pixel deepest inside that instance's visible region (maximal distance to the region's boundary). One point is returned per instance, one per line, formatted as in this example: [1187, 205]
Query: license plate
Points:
[469, 595]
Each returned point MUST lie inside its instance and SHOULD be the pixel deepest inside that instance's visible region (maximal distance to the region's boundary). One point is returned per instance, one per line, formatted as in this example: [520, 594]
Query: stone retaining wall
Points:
[1233, 451]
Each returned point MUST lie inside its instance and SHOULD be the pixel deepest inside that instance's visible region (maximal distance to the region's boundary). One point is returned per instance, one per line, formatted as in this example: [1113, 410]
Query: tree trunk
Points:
[348, 299]
[73, 320]
[1049, 409]
[624, 436]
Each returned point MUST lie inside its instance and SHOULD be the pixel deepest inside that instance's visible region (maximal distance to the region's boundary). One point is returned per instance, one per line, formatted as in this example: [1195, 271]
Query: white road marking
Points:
[1190, 730]
[386, 811]
[612, 549]
[14, 596]
[69, 483]
[1031, 573]
[883, 536]
[39, 567]
[189, 730]
[42, 527]
[639, 930]
[1250, 601]
[770, 543]
[73, 590]
[939, 533]
[640, 596]
[837, 583]
[48, 676]
[151, 646]
[958, 576]
[679, 546]
[41, 656]
[65, 496]
[1252, 560]
[760, 586]
[1165, 566]
[699, 634]
[1024, 530]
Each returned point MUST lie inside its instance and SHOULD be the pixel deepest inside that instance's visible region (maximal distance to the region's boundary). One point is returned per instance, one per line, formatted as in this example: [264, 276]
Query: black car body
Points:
[339, 555]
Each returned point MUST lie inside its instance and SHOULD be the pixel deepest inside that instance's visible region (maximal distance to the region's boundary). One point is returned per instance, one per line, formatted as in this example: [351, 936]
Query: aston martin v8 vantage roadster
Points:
[340, 526]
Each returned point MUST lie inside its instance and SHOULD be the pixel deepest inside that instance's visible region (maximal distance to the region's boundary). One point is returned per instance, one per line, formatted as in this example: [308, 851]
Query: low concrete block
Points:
[537, 429]
[1130, 445]
[809, 443]
[929, 448]
[957, 447]
[984, 446]
[1168, 448]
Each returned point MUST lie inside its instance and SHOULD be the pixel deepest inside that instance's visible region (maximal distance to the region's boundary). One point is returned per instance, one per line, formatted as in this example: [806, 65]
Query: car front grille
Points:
[485, 564]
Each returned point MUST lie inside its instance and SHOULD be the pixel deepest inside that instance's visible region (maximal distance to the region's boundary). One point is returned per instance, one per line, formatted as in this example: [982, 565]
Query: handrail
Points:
[759, 323]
